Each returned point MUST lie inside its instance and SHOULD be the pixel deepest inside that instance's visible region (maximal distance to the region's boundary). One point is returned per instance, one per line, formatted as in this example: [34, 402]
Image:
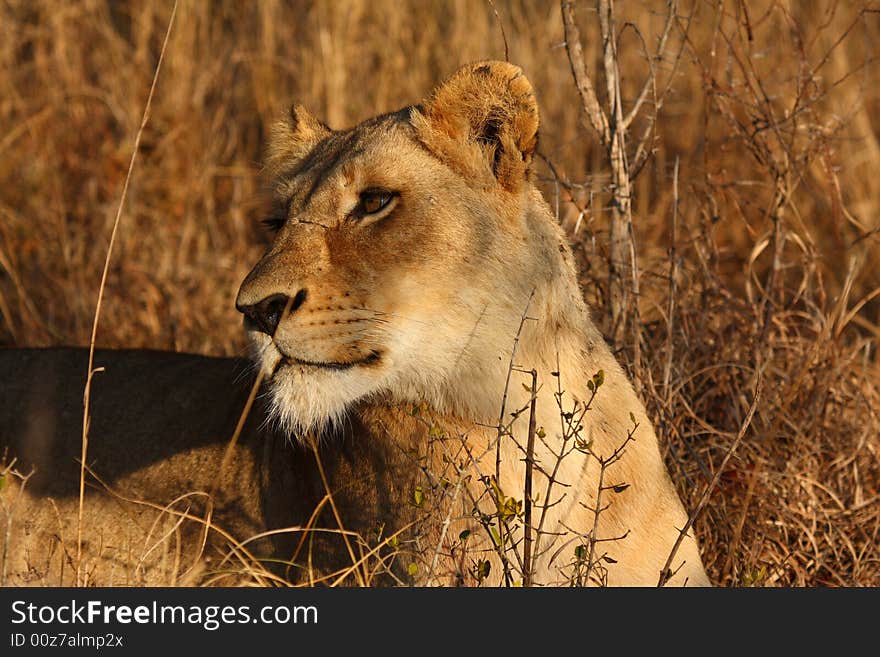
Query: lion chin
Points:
[312, 401]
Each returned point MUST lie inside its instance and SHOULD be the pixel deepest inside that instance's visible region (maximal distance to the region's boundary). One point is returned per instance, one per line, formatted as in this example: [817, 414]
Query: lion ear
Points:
[292, 137]
[483, 121]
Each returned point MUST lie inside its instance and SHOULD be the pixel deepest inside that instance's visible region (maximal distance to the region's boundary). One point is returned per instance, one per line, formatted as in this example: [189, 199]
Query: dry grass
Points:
[772, 238]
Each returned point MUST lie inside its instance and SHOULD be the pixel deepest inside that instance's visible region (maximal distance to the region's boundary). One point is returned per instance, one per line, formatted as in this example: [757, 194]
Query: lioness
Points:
[425, 351]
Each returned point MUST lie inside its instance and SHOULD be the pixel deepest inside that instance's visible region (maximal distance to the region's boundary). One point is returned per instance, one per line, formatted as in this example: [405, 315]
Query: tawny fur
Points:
[425, 302]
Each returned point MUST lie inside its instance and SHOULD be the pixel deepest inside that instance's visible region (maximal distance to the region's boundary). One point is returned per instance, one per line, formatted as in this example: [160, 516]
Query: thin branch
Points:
[673, 274]
[582, 80]
[116, 222]
[313, 442]
[510, 368]
[650, 82]
[530, 462]
[666, 574]
[503, 33]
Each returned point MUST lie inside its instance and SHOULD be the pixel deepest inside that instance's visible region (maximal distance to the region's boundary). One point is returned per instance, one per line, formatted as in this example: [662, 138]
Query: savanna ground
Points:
[756, 215]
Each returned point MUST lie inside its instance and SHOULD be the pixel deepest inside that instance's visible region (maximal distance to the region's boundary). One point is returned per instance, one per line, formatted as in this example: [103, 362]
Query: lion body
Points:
[399, 336]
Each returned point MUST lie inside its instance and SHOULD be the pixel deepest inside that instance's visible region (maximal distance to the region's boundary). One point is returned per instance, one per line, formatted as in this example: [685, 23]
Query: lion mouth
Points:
[371, 358]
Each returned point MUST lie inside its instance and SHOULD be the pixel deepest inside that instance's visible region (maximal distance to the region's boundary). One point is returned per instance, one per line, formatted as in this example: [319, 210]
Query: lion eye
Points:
[373, 201]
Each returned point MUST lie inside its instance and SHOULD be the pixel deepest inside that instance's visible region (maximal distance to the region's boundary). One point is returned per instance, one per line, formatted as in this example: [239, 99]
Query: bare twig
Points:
[570, 428]
[91, 371]
[8, 511]
[611, 130]
[502, 430]
[503, 33]
[650, 81]
[445, 528]
[583, 82]
[313, 442]
[527, 488]
[673, 274]
[604, 464]
[510, 367]
[666, 574]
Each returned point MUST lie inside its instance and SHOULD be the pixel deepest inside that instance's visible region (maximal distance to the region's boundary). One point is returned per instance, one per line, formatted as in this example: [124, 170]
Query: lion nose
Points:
[267, 314]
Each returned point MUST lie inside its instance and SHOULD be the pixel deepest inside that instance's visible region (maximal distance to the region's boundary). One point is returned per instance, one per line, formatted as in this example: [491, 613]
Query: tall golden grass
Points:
[761, 257]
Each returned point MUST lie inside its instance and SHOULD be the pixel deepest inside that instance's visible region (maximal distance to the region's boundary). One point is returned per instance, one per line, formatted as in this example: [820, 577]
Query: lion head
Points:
[407, 248]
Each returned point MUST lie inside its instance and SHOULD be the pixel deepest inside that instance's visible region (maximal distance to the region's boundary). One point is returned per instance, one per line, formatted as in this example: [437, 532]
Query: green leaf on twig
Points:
[418, 497]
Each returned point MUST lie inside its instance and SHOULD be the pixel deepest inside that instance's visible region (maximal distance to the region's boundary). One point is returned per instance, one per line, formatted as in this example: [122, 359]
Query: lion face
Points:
[393, 240]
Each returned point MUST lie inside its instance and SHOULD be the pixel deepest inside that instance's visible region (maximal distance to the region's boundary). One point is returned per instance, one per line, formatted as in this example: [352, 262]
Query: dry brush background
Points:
[761, 257]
